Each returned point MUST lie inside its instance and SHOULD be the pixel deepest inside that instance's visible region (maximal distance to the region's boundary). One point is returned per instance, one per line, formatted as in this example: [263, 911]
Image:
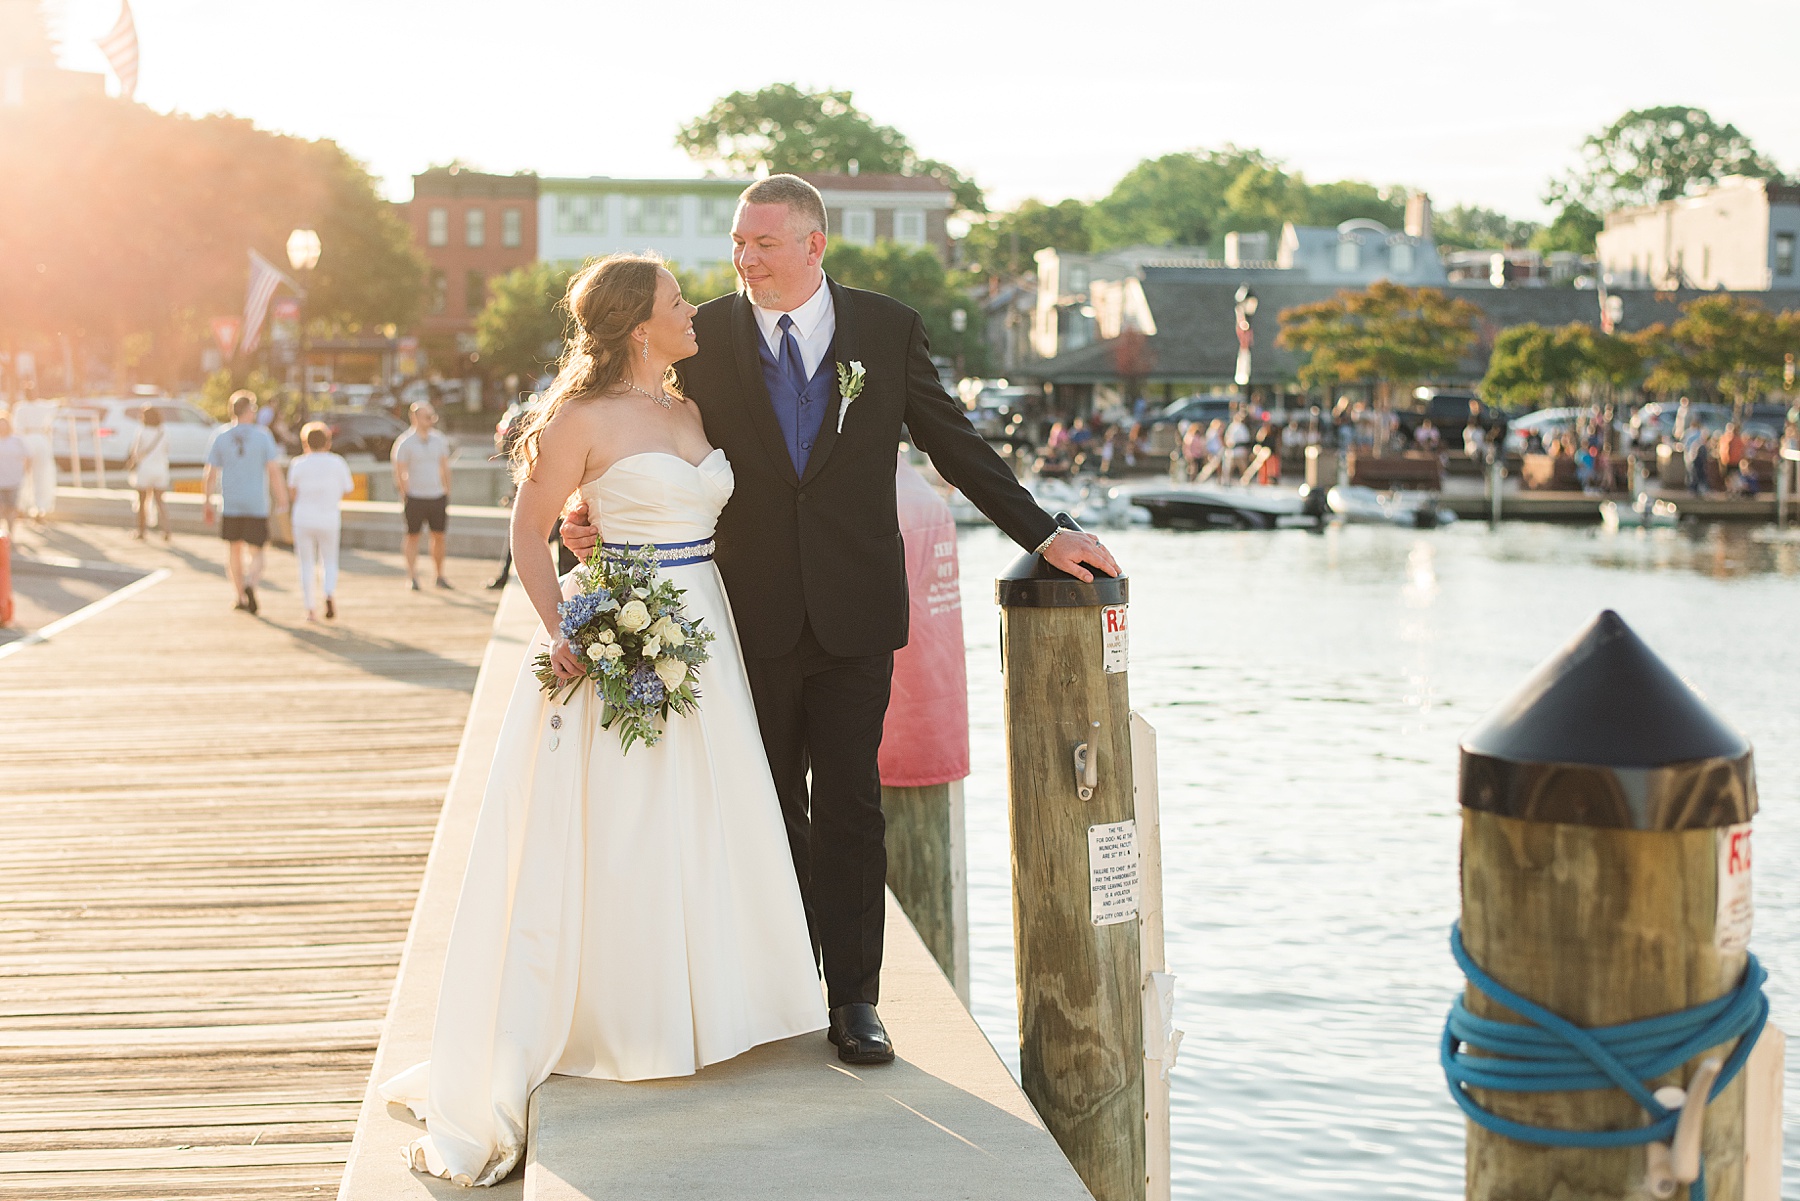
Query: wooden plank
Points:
[214, 846]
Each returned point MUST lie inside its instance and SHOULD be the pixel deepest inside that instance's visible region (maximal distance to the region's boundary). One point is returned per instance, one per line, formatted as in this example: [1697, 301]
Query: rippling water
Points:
[1308, 692]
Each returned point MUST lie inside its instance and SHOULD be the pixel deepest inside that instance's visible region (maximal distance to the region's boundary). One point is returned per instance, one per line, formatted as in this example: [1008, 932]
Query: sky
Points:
[1474, 101]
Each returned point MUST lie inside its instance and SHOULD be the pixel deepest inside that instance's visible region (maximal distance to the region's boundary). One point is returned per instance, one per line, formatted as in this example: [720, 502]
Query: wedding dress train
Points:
[623, 916]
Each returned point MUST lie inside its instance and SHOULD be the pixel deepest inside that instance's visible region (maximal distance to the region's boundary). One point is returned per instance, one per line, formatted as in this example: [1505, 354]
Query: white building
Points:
[687, 221]
[1738, 235]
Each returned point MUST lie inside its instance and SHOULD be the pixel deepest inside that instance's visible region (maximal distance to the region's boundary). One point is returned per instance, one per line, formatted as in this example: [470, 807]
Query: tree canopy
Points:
[1721, 347]
[1385, 335]
[520, 329]
[120, 223]
[781, 128]
[1654, 154]
[1470, 227]
[914, 276]
[1005, 243]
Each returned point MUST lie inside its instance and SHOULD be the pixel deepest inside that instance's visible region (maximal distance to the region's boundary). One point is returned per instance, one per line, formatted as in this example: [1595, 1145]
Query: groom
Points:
[809, 547]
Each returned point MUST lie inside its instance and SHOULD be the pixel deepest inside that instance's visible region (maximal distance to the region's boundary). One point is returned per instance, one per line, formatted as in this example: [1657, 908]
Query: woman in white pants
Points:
[319, 481]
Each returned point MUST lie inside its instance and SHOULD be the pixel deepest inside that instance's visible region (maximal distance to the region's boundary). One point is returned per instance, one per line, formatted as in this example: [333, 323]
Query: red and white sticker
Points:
[1731, 924]
[1113, 649]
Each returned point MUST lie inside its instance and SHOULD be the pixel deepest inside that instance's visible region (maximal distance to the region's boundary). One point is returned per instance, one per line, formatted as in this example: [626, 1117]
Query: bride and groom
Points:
[627, 917]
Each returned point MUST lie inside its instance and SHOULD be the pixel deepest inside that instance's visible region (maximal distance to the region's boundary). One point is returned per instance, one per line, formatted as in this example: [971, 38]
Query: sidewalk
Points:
[216, 826]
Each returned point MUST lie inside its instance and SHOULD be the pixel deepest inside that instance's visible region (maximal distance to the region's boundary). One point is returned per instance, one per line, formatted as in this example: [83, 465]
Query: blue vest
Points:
[800, 414]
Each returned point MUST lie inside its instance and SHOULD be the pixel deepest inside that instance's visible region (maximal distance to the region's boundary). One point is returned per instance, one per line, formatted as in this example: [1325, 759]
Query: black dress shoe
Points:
[858, 1034]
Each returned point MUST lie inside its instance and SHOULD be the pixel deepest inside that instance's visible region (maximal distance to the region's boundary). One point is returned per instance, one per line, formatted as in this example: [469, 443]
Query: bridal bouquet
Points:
[640, 649]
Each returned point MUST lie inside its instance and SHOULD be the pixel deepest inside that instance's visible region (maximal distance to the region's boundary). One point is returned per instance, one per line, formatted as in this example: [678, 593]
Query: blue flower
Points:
[646, 687]
[583, 608]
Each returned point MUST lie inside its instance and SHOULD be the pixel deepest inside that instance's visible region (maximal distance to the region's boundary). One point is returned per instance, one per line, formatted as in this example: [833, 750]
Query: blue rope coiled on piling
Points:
[1552, 1054]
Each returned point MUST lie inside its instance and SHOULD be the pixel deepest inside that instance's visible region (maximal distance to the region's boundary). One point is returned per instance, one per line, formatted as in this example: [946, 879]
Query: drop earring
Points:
[646, 350]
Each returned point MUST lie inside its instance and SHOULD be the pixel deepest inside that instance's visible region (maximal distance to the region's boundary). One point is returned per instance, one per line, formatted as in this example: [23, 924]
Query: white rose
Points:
[673, 673]
[633, 617]
[614, 651]
[596, 651]
[605, 636]
[652, 647]
[674, 636]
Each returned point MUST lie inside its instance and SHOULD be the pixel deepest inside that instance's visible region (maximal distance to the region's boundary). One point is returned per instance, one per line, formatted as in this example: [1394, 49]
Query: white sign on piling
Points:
[1113, 872]
[1732, 920]
[1113, 648]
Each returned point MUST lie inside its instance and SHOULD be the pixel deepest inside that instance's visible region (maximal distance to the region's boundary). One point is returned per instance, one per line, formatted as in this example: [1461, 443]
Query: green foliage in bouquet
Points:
[637, 643]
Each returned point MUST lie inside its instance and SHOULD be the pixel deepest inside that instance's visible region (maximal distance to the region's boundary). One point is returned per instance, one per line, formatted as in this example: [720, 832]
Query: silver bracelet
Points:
[1045, 544]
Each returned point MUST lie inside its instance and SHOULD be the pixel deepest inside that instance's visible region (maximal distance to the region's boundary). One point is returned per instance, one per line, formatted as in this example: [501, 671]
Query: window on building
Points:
[653, 214]
[437, 227]
[859, 226]
[716, 213]
[1784, 254]
[439, 298]
[909, 227]
[474, 292]
[1400, 258]
[475, 227]
[581, 214]
[512, 228]
[1349, 256]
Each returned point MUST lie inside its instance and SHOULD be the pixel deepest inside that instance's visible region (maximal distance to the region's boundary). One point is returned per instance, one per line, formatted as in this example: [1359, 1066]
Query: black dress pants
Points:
[822, 713]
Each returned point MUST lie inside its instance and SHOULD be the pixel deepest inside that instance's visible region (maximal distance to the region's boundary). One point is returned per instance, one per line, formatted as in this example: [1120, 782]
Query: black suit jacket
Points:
[825, 545]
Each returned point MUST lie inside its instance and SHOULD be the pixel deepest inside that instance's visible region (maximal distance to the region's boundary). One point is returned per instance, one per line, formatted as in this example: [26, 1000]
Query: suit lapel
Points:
[844, 348]
[745, 335]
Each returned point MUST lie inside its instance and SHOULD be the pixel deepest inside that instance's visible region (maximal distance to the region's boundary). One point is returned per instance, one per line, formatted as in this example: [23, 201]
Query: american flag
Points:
[264, 279]
[121, 50]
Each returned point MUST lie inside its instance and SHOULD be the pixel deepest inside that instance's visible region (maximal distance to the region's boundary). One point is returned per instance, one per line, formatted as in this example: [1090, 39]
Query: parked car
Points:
[998, 415]
[365, 431]
[1650, 424]
[1548, 424]
[115, 421]
[1203, 409]
[1448, 410]
[1767, 420]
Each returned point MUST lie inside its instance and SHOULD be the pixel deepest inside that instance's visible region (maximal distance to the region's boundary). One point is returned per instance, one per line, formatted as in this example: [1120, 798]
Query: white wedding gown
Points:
[623, 916]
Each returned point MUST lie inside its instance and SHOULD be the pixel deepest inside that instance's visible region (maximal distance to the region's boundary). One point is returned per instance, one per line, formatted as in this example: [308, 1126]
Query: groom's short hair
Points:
[802, 199]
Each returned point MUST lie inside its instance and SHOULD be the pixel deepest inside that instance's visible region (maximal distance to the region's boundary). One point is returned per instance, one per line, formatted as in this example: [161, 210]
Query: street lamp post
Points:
[303, 250]
[959, 321]
[1244, 308]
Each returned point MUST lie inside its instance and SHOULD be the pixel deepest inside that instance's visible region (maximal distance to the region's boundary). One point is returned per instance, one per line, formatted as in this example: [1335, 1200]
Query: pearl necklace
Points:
[664, 399]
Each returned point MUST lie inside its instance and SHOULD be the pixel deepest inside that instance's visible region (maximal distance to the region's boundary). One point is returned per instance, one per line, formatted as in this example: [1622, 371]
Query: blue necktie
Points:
[791, 364]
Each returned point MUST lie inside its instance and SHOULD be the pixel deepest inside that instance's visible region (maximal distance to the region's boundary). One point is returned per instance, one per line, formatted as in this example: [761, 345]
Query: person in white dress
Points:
[35, 421]
[150, 471]
[318, 482]
[623, 916]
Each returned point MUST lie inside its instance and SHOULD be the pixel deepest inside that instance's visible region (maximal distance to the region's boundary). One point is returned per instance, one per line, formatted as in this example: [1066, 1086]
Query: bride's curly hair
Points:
[606, 300]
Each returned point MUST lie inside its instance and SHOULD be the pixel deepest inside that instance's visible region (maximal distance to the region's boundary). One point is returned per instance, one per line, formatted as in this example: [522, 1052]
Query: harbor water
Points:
[1308, 691]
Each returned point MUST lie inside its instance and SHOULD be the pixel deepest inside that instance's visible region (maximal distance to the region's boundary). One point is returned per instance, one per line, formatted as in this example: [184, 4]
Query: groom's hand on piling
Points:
[1074, 552]
[577, 534]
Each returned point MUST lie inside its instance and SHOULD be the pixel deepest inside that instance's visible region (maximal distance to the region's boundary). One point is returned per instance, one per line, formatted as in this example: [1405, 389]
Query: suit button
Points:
[803, 497]
[806, 446]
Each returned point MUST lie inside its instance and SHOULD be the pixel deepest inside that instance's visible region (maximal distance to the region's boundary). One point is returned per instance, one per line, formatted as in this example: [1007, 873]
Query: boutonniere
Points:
[850, 386]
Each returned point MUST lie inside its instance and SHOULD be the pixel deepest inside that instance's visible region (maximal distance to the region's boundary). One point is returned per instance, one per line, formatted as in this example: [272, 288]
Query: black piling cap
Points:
[1031, 583]
[1603, 733]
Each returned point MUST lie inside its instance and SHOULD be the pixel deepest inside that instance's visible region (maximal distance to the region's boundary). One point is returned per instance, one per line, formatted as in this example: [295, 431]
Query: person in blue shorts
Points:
[243, 465]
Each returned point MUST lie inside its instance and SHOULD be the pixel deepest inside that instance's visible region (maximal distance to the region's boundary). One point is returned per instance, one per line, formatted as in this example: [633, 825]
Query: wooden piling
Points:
[928, 871]
[1601, 805]
[1079, 982]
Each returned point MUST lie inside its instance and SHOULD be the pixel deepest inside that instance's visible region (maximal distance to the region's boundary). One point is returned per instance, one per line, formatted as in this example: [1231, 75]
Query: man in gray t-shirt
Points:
[421, 461]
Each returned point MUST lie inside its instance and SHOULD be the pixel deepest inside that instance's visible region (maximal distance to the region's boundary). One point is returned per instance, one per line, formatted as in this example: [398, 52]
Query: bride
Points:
[623, 917]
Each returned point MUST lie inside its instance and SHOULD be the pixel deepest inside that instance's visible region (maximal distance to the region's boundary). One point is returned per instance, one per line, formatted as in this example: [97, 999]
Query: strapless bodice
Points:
[659, 497]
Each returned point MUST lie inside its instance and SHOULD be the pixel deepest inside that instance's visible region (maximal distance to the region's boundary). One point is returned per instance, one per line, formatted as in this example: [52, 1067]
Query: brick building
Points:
[471, 227]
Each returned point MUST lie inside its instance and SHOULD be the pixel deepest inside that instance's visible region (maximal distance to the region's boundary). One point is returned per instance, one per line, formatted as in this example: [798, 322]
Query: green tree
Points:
[1005, 244]
[1575, 229]
[1653, 154]
[1465, 227]
[698, 287]
[1387, 336]
[1335, 203]
[1177, 199]
[915, 277]
[784, 129]
[1721, 347]
[520, 331]
[1532, 366]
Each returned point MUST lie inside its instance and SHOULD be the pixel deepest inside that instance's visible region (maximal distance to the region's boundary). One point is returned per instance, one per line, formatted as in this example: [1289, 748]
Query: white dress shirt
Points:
[815, 322]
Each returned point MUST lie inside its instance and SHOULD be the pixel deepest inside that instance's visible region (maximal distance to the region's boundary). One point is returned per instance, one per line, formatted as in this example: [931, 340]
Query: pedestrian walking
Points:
[15, 458]
[319, 481]
[34, 421]
[243, 466]
[148, 464]
[421, 461]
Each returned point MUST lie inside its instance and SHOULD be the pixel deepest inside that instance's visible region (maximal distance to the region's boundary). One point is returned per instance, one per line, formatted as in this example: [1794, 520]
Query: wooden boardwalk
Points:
[215, 827]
